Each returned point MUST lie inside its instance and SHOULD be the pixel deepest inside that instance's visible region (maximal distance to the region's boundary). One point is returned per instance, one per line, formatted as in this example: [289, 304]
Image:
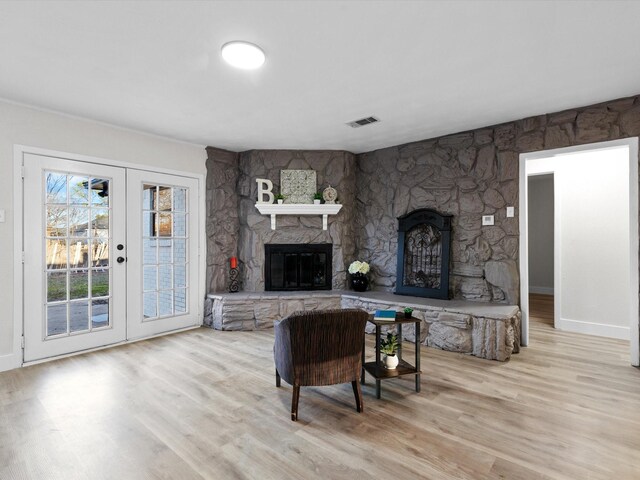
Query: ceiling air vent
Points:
[362, 122]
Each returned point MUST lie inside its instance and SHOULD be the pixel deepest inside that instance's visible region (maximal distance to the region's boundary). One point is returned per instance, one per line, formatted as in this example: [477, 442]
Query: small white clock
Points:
[330, 194]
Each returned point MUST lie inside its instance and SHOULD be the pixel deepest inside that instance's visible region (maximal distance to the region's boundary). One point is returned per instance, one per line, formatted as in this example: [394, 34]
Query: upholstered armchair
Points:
[322, 347]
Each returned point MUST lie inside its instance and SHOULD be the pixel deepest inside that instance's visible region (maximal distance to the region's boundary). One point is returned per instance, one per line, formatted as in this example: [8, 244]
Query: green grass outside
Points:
[78, 285]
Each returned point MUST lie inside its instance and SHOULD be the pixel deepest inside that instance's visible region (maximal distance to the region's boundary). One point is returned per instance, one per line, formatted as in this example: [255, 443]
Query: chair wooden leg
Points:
[358, 394]
[277, 378]
[294, 402]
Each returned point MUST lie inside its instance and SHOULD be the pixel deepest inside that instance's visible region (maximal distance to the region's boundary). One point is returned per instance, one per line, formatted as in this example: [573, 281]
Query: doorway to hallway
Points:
[595, 238]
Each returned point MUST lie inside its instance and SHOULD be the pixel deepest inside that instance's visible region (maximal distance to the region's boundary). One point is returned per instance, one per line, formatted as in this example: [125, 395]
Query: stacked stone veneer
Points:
[336, 168]
[456, 326]
[222, 216]
[491, 332]
[468, 175]
[258, 311]
[465, 175]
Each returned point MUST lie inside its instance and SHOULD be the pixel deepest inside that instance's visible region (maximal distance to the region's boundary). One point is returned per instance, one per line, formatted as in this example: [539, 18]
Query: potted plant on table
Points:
[317, 198]
[389, 346]
[408, 311]
[280, 198]
[358, 271]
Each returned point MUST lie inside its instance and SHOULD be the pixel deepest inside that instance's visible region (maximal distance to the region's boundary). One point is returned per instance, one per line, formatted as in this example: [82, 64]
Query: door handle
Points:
[121, 259]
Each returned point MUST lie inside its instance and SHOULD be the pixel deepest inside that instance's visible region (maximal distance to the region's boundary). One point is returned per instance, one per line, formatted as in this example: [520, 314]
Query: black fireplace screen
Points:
[423, 257]
[298, 266]
[424, 239]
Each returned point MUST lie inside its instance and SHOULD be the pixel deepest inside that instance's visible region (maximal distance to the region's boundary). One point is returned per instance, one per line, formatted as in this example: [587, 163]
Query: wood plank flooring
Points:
[541, 308]
[203, 405]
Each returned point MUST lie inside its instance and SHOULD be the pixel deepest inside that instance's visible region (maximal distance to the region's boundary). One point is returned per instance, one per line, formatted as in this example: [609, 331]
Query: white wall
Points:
[36, 128]
[541, 234]
[592, 238]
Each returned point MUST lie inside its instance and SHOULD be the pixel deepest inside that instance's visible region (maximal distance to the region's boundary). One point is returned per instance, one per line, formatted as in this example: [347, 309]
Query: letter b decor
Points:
[265, 187]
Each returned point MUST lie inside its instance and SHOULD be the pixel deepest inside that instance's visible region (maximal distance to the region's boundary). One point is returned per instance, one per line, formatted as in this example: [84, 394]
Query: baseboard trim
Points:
[9, 362]
[590, 328]
[541, 290]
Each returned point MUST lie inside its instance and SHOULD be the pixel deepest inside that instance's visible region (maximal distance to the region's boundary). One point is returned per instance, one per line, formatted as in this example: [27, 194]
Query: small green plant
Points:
[389, 345]
[317, 196]
[279, 196]
[408, 310]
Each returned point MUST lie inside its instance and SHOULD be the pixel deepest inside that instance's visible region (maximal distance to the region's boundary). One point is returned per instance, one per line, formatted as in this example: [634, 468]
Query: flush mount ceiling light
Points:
[243, 55]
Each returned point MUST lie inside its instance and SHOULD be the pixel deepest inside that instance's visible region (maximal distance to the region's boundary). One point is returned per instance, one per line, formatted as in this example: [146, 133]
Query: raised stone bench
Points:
[257, 311]
[486, 330]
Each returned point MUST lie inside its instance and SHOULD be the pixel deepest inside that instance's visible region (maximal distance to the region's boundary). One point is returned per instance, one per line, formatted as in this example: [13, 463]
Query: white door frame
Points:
[17, 358]
[634, 281]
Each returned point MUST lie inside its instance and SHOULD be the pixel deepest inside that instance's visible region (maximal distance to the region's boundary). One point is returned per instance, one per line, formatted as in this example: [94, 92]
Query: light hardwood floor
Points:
[541, 308]
[203, 404]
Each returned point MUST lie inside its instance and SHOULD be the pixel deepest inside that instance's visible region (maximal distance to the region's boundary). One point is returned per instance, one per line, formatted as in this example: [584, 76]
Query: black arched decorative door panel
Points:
[424, 241]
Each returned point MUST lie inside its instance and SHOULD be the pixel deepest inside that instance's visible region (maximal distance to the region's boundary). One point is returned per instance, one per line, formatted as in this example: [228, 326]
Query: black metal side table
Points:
[377, 369]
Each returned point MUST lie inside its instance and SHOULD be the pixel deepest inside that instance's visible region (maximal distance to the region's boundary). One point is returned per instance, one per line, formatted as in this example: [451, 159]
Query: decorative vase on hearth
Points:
[359, 282]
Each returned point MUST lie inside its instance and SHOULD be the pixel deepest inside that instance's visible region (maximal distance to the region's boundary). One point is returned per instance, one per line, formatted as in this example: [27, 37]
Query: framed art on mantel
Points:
[298, 186]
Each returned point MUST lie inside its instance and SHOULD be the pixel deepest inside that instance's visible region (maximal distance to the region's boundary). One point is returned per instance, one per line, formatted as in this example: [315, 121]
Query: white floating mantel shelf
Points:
[274, 209]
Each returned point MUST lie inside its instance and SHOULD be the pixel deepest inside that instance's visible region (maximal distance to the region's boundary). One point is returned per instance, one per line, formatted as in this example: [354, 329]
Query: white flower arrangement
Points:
[358, 267]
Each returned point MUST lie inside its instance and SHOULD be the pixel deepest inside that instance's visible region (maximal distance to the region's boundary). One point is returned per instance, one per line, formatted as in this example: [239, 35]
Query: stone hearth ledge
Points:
[485, 330]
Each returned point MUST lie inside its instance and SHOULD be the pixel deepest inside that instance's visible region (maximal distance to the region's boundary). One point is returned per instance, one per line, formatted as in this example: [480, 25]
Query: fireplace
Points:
[424, 240]
[298, 266]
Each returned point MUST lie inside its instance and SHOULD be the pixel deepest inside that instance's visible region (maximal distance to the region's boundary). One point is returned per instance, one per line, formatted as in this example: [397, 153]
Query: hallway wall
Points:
[540, 216]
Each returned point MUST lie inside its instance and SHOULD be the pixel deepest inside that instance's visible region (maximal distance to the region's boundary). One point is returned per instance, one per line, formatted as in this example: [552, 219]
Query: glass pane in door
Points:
[77, 239]
[164, 250]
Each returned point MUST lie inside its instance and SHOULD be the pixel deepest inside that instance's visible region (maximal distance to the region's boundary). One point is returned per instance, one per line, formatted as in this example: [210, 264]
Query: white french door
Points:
[74, 289]
[110, 254]
[163, 258]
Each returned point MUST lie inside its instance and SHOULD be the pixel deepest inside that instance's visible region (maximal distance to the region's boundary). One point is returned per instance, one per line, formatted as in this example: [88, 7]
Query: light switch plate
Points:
[2, 215]
[487, 220]
[510, 212]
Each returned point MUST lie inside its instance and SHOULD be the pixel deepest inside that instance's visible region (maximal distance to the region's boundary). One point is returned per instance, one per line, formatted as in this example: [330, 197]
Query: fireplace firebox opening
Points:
[290, 267]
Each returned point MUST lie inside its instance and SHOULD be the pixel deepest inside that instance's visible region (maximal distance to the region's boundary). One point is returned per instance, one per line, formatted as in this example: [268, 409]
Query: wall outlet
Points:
[2, 220]
[511, 211]
[487, 220]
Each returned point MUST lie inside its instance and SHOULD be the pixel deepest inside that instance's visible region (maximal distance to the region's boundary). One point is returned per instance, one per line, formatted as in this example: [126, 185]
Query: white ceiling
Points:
[424, 68]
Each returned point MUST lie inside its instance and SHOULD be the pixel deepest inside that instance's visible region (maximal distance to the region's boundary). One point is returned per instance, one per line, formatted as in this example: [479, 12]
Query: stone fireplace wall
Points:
[337, 168]
[467, 175]
[222, 216]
